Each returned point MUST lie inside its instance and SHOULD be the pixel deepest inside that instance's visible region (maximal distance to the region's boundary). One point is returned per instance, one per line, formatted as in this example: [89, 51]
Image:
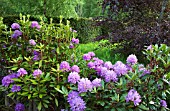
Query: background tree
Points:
[52, 8]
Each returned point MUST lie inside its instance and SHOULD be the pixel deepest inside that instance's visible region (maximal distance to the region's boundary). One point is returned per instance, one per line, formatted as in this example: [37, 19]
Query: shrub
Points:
[32, 51]
[130, 86]
[135, 24]
[46, 73]
[86, 30]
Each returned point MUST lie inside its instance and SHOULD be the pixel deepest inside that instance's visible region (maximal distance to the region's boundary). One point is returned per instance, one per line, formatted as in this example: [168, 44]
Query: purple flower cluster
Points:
[108, 65]
[98, 70]
[120, 68]
[73, 77]
[132, 59]
[75, 68]
[92, 54]
[91, 65]
[34, 24]
[110, 76]
[143, 70]
[16, 34]
[163, 103]
[129, 67]
[64, 66]
[98, 62]
[19, 107]
[6, 81]
[71, 46]
[15, 26]
[72, 95]
[13, 75]
[73, 41]
[36, 52]
[73, 30]
[15, 88]
[36, 55]
[96, 82]
[133, 96]
[32, 42]
[106, 70]
[76, 102]
[88, 56]
[103, 71]
[22, 72]
[37, 73]
[84, 85]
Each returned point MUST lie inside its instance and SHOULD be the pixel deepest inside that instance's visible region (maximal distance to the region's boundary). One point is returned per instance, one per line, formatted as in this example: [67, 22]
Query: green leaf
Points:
[102, 84]
[166, 81]
[14, 68]
[46, 101]
[58, 50]
[35, 95]
[29, 96]
[56, 102]
[102, 103]
[39, 106]
[16, 80]
[113, 109]
[24, 93]
[119, 109]
[33, 81]
[64, 89]
[40, 95]
[126, 75]
[47, 76]
[83, 94]
[143, 107]
[59, 90]
[10, 94]
[54, 70]
[45, 105]
[26, 58]
[40, 63]
[134, 76]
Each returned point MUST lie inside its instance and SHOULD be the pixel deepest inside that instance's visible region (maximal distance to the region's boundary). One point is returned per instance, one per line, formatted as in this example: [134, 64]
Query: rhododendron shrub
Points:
[125, 87]
[31, 51]
[46, 73]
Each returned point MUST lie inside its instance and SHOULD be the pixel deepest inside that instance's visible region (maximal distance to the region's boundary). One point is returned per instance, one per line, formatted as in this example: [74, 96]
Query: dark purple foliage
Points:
[143, 25]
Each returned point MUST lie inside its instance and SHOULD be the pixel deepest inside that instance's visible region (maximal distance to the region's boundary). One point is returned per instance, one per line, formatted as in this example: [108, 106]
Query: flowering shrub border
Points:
[37, 81]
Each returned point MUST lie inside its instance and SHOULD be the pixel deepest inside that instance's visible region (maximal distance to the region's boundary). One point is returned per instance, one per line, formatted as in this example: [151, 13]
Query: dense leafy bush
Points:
[31, 49]
[101, 85]
[135, 24]
[47, 71]
[86, 31]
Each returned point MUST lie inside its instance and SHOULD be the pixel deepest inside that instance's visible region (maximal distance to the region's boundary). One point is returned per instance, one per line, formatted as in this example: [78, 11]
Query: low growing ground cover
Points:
[102, 49]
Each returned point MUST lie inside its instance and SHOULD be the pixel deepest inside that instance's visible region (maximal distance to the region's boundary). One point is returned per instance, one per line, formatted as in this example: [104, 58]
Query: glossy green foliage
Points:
[52, 44]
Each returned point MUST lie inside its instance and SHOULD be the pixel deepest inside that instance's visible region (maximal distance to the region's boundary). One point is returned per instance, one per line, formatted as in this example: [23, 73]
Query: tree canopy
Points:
[53, 8]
